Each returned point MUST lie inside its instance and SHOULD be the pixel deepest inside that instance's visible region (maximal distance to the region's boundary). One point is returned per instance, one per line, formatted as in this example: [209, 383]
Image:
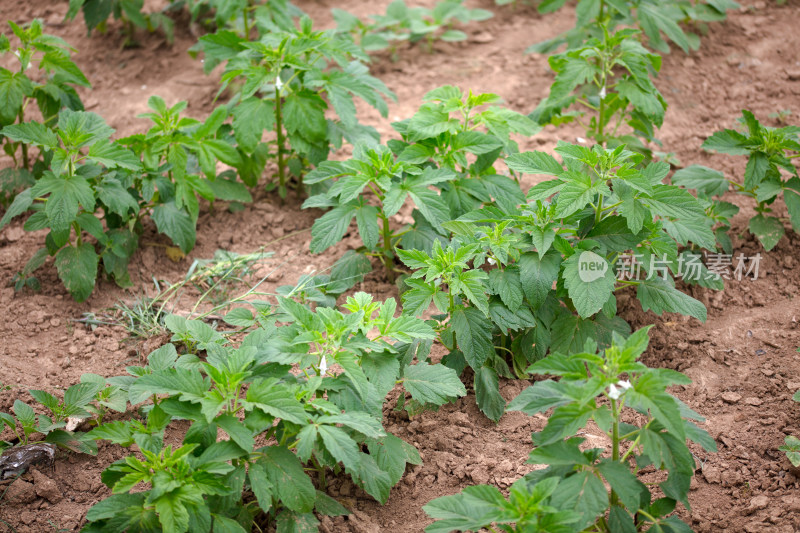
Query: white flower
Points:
[491, 261]
[278, 83]
[602, 93]
[580, 140]
[613, 392]
[323, 366]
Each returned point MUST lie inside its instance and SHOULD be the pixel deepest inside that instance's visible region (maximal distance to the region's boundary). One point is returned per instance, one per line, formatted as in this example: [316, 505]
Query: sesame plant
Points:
[605, 86]
[46, 75]
[769, 174]
[284, 82]
[281, 425]
[92, 180]
[614, 485]
[128, 12]
[58, 425]
[413, 24]
[656, 18]
[514, 283]
[451, 143]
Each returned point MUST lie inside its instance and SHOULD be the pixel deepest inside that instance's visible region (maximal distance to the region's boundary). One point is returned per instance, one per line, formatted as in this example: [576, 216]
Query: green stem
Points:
[279, 131]
[246, 23]
[25, 162]
[388, 252]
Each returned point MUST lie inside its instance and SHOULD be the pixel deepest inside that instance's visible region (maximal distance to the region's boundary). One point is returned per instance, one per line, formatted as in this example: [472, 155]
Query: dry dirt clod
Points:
[20, 491]
[46, 488]
[758, 503]
[731, 397]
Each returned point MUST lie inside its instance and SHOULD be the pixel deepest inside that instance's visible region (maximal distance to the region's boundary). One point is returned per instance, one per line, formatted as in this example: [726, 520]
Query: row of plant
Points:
[513, 274]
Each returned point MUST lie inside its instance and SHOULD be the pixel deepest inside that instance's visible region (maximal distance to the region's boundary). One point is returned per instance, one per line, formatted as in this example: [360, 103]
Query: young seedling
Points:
[770, 153]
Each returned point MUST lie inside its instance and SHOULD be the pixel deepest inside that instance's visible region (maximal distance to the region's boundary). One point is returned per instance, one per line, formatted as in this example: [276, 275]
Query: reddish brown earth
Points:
[743, 360]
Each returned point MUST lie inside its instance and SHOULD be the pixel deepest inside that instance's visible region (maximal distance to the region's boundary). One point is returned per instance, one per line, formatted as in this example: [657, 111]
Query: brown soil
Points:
[743, 360]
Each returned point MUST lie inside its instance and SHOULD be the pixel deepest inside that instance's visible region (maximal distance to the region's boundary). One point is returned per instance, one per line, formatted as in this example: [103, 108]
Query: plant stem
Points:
[246, 23]
[388, 252]
[25, 163]
[279, 131]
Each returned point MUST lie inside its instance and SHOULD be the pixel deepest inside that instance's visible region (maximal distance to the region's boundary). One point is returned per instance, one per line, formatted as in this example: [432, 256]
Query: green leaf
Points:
[331, 227]
[77, 268]
[506, 284]
[590, 281]
[538, 275]
[659, 295]
[20, 204]
[768, 230]
[177, 224]
[469, 510]
[728, 142]
[584, 493]
[292, 485]
[31, 133]
[473, 335]
[372, 479]
[277, 400]
[534, 163]
[791, 195]
[289, 522]
[67, 195]
[236, 430]
[434, 384]
[706, 181]
[113, 155]
[340, 445]
[623, 482]
[792, 449]
[392, 454]
[367, 220]
[250, 118]
[487, 393]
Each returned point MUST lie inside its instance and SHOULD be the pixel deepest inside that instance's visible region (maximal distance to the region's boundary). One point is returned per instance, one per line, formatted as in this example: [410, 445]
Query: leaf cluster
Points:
[599, 488]
[402, 23]
[323, 416]
[46, 75]
[607, 78]
[285, 82]
[769, 174]
[656, 18]
[129, 12]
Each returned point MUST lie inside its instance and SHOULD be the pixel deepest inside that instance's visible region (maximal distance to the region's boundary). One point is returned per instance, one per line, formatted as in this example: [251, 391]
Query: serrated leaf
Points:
[177, 224]
[534, 163]
[434, 384]
[331, 227]
[659, 295]
[538, 275]
[487, 393]
[291, 483]
[768, 230]
[473, 335]
[77, 268]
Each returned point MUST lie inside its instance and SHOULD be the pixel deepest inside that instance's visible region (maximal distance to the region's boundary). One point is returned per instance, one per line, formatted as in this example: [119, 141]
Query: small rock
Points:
[483, 37]
[793, 75]
[731, 397]
[758, 503]
[689, 62]
[46, 488]
[753, 401]
[14, 233]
